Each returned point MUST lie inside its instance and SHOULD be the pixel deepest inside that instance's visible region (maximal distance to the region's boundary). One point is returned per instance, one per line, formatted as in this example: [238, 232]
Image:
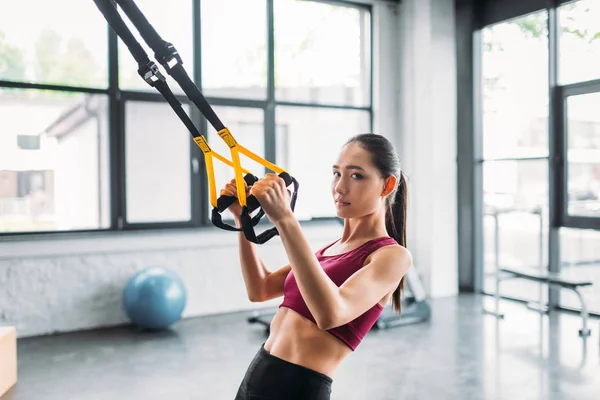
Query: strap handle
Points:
[252, 204]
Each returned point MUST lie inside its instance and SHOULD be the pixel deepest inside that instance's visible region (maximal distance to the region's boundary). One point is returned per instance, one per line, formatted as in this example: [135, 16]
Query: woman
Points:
[333, 297]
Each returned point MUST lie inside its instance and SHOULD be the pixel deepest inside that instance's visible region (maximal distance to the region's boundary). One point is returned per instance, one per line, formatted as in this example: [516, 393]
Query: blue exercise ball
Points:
[154, 298]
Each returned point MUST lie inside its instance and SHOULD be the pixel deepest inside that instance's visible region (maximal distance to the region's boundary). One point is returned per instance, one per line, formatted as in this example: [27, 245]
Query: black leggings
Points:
[271, 378]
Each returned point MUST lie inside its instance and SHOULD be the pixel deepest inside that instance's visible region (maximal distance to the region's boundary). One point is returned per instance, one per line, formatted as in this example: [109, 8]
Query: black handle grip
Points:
[223, 202]
[253, 204]
[249, 222]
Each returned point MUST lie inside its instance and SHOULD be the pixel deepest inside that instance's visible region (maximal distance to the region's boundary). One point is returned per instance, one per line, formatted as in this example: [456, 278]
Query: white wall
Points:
[416, 108]
[62, 285]
[55, 285]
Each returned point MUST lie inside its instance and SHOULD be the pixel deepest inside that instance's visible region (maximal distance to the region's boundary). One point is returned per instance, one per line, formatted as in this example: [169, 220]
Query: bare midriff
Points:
[298, 340]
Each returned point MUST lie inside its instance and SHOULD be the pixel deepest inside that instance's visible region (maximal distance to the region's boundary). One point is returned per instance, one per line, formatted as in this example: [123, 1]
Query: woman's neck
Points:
[364, 228]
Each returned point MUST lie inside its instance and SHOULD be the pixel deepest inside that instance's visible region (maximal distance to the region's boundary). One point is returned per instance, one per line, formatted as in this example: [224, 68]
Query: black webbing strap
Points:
[168, 56]
[147, 68]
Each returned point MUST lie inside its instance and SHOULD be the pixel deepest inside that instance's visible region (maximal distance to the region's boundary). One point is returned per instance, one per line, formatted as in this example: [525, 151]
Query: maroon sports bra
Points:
[339, 268]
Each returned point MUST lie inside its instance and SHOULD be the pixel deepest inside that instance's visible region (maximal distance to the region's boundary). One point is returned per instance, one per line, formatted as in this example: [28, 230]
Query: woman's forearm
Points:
[253, 269]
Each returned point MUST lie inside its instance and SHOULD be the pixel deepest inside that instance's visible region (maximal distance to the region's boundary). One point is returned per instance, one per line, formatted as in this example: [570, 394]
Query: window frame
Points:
[470, 111]
[566, 220]
[118, 98]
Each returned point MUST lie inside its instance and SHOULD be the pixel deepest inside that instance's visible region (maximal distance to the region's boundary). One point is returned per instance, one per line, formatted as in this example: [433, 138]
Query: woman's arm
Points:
[330, 305]
[261, 284]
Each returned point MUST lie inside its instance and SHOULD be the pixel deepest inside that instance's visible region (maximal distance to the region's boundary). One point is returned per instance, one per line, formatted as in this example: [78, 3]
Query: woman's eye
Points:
[357, 176]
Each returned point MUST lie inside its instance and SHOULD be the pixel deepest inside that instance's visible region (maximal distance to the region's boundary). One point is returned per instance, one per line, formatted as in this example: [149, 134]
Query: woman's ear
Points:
[390, 185]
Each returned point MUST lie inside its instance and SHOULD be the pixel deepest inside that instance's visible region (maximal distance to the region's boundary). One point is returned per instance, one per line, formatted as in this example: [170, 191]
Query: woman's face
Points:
[356, 185]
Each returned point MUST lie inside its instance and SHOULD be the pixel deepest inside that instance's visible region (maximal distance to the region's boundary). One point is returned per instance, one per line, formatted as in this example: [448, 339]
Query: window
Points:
[62, 42]
[157, 166]
[309, 140]
[119, 158]
[516, 220]
[234, 48]
[517, 153]
[515, 109]
[579, 41]
[322, 53]
[60, 181]
[515, 88]
[583, 155]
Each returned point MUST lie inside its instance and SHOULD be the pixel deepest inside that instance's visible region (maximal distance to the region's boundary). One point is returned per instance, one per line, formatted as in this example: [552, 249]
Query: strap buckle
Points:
[151, 74]
[169, 57]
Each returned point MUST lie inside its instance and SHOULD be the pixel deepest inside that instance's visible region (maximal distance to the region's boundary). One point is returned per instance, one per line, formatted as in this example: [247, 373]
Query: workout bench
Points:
[539, 274]
[550, 279]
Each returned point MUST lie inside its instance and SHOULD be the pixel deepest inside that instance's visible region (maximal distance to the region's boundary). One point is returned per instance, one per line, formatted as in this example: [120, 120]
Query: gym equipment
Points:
[166, 54]
[8, 358]
[154, 298]
[415, 305]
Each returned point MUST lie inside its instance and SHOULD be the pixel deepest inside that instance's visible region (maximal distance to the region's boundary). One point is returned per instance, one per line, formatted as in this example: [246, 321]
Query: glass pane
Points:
[234, 53]
[579, 41]
[247, 127]
[580, 259]
[322, 53]
[61, 42]
[54, 164]
[174, 24]
[515, 198]
[515, 88]
[583, 168]
[308, 142]
[157, 162]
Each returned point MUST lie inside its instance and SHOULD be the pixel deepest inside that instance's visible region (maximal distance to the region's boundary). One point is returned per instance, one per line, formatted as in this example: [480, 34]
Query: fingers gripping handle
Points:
[247, 221]
[251, 202]
[224, 202]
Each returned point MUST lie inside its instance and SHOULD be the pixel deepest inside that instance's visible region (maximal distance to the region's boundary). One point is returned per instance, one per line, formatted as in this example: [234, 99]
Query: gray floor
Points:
[460, 354]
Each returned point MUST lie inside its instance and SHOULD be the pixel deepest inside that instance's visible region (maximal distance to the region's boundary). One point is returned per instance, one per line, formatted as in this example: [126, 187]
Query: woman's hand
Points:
[273, 196]
[231, 190]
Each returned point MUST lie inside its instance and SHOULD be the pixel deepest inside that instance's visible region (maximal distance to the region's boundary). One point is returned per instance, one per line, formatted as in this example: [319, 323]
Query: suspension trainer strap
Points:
[151, 74]
[169, 58]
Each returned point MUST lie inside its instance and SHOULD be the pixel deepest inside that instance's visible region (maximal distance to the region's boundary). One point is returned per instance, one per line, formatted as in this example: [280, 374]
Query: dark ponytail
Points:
[396, 228]
[386, 159]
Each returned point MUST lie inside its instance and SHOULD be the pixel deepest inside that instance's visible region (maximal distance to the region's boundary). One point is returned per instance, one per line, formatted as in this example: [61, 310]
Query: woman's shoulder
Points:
[388, 247]
[383, 242]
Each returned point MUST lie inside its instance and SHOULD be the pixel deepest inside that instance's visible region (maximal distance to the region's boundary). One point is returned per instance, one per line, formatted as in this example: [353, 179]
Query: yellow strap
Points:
[235, 163]
[237, 168]
[226, 161]
[239, 178]
[236, 149]
[260, 160]
[210, 171]
[203, 144]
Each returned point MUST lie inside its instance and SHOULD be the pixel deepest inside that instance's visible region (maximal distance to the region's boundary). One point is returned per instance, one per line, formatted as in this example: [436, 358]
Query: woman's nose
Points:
[340, 187]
